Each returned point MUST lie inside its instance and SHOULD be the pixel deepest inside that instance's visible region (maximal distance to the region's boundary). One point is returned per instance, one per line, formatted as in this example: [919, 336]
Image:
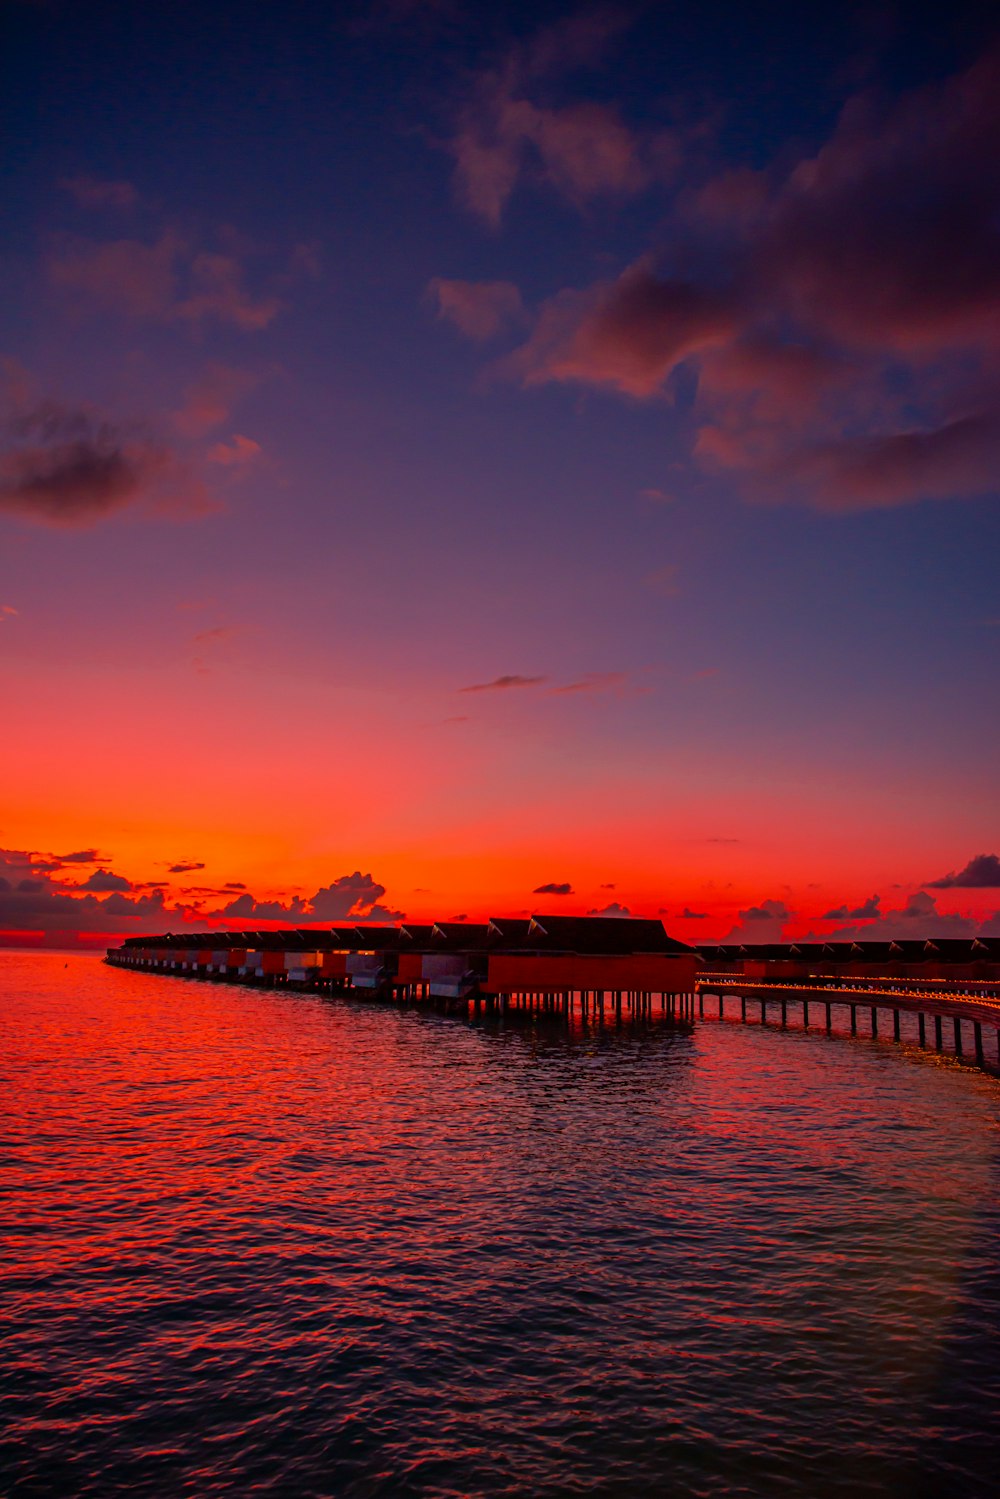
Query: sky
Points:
[462, 460]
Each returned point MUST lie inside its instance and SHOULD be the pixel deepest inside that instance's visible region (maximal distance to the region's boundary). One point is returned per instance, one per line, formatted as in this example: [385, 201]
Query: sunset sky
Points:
[450, 451]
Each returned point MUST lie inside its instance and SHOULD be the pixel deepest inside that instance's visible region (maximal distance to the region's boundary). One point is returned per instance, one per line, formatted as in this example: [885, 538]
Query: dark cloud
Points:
[82, 856]
[31, 903]
[763, 923]
[768, 910]
[103, 881]
[689, 915]
[381, 913]
[31, 898]
[865, 912]
[919, 917]
[606, 887]
[501, 684]
[246, 908]
[614, 909]
[185, 866]
[235, 885]
[68, 465]
[77, 482]
[981, 873]
[841, 312]
[352, 897]
[354, 894]
[553, 889]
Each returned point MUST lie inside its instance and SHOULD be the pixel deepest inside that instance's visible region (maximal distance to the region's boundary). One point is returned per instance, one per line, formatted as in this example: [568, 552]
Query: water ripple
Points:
[266, 1243]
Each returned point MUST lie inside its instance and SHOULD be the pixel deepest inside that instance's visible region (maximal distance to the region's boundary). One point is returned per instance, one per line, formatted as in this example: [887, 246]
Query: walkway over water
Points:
[935, 1003]
[560, 964]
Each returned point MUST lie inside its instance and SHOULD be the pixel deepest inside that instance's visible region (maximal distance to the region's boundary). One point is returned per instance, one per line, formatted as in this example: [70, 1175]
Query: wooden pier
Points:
[858, 1005]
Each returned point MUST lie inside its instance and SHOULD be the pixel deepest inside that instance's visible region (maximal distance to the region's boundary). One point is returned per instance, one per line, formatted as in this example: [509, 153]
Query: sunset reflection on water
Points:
[265, 1241]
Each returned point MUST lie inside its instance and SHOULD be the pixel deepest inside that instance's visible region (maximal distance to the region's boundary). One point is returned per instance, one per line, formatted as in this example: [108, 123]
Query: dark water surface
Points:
[269, 1243]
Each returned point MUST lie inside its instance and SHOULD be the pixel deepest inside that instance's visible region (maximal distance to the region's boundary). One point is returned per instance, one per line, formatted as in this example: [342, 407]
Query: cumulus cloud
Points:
[614, 909]
[34, 898]
[918, 918]
[246, 908]
[768, 910]
[867, 911]
[841, 314]
[501, 684]
[762, 923]
[354, 894]
[478, 309]
[104, 881]
[553, 889]
[34, 901]
[506, 131]
[351, 897]
[981, 873]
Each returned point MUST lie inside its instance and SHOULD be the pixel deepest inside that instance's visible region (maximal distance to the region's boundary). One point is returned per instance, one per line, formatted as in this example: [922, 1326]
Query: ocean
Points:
[262, 1242]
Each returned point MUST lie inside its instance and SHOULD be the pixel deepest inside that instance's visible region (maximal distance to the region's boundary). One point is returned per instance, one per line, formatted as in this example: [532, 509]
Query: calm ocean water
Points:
[268, 1243]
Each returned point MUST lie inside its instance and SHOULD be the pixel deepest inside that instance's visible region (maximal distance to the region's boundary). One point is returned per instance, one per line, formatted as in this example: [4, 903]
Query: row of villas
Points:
[542, 954]
[938, 959]
[446, 959]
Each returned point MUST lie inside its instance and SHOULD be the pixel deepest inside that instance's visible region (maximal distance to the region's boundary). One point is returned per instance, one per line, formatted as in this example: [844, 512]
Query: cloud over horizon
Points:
[981, 873]
[34, 897]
